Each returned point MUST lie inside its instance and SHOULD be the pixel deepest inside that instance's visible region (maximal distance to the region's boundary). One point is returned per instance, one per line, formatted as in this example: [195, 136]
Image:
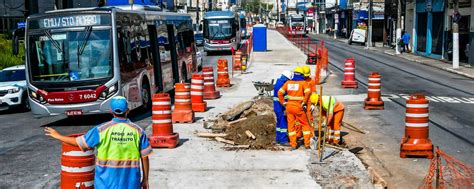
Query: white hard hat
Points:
[288, 74]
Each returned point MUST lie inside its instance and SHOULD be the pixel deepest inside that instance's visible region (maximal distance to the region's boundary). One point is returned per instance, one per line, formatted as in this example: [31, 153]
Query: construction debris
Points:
[220, 139]
[249, 123]
[211, 135]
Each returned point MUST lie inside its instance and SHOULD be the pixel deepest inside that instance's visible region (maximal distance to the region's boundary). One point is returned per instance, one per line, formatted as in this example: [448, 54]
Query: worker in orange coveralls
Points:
[298, 94]
[335, 111]
[312, 86]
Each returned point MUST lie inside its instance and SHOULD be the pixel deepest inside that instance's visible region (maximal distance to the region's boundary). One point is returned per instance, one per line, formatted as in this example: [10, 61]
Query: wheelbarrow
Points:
[263, 88]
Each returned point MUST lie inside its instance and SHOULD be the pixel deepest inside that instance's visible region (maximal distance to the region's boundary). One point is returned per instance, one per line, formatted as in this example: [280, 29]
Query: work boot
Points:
[286, 144]
[293, 148]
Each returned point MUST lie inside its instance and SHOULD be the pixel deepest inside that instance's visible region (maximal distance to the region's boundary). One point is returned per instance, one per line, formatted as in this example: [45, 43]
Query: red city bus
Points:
[78, 59]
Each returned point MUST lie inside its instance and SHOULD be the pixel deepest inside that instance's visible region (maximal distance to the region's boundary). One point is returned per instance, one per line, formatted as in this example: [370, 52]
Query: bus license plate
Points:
[74, 112]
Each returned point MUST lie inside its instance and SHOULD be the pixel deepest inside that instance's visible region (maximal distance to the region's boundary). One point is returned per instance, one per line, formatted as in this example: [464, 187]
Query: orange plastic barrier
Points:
[237, 61]
[416, 141]
[197, 96]
[77, 167]
[162, 135]
[222, 73]
[322, 70]
[374, 100]
[210, 91]
[182, 112]
[349, 74]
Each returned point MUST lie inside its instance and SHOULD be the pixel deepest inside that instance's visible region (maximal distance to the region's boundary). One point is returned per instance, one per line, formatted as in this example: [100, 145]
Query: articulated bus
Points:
[78, 59]
[221, 31]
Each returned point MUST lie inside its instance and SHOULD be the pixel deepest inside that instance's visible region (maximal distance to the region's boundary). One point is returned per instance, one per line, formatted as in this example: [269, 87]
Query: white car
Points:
[13, 88]
[358, 36]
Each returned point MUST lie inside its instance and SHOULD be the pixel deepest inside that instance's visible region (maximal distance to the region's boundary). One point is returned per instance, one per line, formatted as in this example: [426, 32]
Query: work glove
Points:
[312, 107]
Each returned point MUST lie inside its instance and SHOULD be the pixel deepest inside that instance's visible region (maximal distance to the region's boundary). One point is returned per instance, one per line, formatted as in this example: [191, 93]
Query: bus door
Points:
[157, 69]
[165, 51]
[174, 60]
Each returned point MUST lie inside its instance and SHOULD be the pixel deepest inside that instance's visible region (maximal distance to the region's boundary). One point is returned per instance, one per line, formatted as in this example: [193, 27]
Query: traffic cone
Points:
[222, 73]
[349, 74]
[373, 100]
[237, 61]
[182, 112]
[197, 87]
[416, 141]
[209, 86]
[163, 135]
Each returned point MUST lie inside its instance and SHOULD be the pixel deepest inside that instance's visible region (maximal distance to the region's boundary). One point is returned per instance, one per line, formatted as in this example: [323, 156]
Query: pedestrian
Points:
[298, 94]
[406, 41]
[120, 145]
[335, 111]
[281, 122]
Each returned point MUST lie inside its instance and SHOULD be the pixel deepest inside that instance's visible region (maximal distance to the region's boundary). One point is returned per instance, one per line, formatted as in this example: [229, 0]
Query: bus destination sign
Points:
[70, 21]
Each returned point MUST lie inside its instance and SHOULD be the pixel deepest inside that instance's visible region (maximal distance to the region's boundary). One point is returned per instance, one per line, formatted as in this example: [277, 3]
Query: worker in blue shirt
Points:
[282, 123]
[120, 146]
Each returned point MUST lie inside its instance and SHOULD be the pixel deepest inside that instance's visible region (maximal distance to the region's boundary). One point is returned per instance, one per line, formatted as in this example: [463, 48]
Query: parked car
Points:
[358, 36]
[13, 88]
[199, 56]
[199, 38]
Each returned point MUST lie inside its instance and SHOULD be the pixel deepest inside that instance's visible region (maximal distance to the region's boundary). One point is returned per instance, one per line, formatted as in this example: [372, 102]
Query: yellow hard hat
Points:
[314, 98]
[306, 71]
[298, 70]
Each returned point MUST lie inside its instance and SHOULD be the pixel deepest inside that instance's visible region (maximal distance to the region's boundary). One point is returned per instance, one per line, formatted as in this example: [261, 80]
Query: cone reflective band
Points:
[416, 141]
[374, 100]
[162, 134]
[197, 96]
[77, 166]
[222, 73]
[349, 74]
[182, 112]
[209, 86]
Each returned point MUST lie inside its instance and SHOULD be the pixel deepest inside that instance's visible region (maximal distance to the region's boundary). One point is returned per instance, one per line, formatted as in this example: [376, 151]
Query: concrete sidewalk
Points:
[465, 70]
[201, 163]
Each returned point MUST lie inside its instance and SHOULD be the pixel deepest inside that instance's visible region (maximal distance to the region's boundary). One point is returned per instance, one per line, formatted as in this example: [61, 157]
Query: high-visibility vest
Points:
[328, 103]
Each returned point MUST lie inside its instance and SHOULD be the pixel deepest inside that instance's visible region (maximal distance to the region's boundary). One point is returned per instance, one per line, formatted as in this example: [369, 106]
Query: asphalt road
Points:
[29, 159]
[452, 105]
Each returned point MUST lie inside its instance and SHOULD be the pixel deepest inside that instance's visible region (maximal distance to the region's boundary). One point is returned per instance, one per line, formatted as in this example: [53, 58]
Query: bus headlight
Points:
[232, 40]
[108, 92]
[37, 96]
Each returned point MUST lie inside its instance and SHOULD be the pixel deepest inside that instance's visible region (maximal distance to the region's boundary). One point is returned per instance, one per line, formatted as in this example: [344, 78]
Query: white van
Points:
[358, 36]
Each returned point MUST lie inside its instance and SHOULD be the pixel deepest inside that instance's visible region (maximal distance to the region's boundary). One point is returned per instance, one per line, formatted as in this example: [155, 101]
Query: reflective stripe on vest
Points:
[295, 97]
[306, 132]
[118, 163]
[291, 133]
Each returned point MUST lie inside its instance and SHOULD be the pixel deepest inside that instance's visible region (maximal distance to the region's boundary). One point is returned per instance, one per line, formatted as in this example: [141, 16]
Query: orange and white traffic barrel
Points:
[210, 91]
[416, 141]
[182, 112]
[77, 167]
[197, 95]
[237, 61]
[222, 73]
[374, 100]
[349, 74]
[162, 135]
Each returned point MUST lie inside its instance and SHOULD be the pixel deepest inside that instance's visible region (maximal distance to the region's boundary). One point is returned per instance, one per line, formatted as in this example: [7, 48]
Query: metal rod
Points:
[320, 120]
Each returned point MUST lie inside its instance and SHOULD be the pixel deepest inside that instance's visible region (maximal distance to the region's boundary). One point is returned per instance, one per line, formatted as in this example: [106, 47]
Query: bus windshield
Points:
[70, 56]
[219, 29]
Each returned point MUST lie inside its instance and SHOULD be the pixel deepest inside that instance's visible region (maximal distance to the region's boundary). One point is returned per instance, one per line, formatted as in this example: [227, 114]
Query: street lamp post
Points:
[369, 32]
[399, 30]
[456, 18]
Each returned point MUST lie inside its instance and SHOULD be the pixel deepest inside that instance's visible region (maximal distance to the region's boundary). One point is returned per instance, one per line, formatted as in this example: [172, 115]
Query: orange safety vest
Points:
[296, 92]
[311, 84]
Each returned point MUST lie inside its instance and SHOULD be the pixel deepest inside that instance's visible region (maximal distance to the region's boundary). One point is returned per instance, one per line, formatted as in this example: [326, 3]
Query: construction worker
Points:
[298, 95]
[120, 145]
[281, 124]
[312, 86]
[335, 111]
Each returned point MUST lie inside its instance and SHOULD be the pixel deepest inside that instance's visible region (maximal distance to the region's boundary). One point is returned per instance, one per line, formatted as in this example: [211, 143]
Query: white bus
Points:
[78, 59]
[221, 31]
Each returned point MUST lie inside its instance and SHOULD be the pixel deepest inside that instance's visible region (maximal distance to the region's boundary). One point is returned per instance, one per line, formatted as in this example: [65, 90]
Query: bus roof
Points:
[219, 14]
[136, 8]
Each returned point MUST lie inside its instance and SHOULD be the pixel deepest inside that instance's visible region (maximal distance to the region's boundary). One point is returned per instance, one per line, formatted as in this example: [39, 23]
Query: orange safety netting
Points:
[322, 70]
[451, 172]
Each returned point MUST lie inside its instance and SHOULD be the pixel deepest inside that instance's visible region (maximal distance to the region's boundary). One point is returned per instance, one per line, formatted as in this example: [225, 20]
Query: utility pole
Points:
[197, 14]
[399, 30]
[336, 20]
[456, 18]
[369, 32]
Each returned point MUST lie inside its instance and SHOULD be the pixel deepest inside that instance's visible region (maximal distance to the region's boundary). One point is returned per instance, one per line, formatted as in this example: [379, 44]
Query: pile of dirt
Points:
[251, 123]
